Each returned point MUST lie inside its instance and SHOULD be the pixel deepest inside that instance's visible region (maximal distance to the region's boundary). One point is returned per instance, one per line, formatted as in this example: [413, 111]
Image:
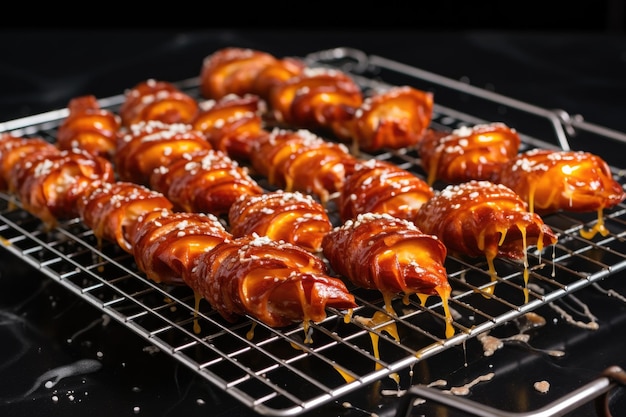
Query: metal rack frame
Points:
[273, 371]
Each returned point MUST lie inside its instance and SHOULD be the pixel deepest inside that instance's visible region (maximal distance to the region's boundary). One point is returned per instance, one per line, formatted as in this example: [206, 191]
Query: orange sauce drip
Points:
[250, 333]
[196, 308]
[378, 318]
[599, 227]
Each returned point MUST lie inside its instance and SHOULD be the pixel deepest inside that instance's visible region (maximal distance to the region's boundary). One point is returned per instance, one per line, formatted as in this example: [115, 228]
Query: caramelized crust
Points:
[157, 100]
[562, 180]
[381, 252]
[153, 144]
[291, 217]
[395, 118]
[14, 149]
[166, 244]
[301, 161]
[378, 186]
[111, 210]
[275, 282]
[232, 124]
[232, 71]
[275, 74]
[317, 98]
[207, 181]
[480, 218]
[468, 153]
[48, 184]
[89, 127]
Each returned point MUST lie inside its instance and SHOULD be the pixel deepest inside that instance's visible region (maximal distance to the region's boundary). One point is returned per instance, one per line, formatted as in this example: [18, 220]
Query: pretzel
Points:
[394, 118]
[288, 216]
[153, 144]
[381, 252]
[276, 282]
[157, 100]
[207, 181]
[89, 127]
[111, 210]
[378, 186]
[468, 153]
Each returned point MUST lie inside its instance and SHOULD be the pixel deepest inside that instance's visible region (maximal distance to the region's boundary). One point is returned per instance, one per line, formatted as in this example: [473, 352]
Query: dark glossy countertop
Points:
[44, 327]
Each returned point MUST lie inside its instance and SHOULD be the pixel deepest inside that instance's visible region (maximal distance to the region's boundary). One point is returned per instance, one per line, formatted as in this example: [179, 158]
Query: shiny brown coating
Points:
[49, 184]
[232, 70]
[318, 98]
[468, 153]
[299, 160]
[206, 181]
[157, 100]
[153, 144]
[481, 218]
[550, 180]
[166, 244]
[13, 149]
[275, 282]
[381, 252]
[378, 186]
[291, 217]
[395, 118]
[232, 123]
[89, 127]
[111, 210]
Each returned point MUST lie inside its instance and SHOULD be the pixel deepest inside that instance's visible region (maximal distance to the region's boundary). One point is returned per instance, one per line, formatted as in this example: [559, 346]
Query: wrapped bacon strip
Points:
[480, 218]
[378, 186]
[395, 118]
[574, 181]
[204, 181]
[378, 251]
[468, 153]
[317, 98]
[111, 210]
[275, 74]
[275, 282]
[232, 70]
[232, 123]
[157, 100]
[153, 144]
[166, 244]
[48, 184]
[292, 217]
[15, 148]
[89, 127]
[302, 161]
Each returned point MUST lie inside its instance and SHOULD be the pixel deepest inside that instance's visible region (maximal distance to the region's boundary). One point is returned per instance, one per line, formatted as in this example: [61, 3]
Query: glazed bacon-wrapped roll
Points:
[564, 180]
[292, 217]
[468, 153]
[15, 148]
[89, 127]
[378, 186]
[232, 123]
[153, 144]
[302, 161]
[276, 282]
[481, 218]
[232, 70]
[111, 210]
[395, 118]
[157, 100]
[49, 184]
[381, 252]
[275, 74]
[166, 244]
[207, 181]
[318, 98]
